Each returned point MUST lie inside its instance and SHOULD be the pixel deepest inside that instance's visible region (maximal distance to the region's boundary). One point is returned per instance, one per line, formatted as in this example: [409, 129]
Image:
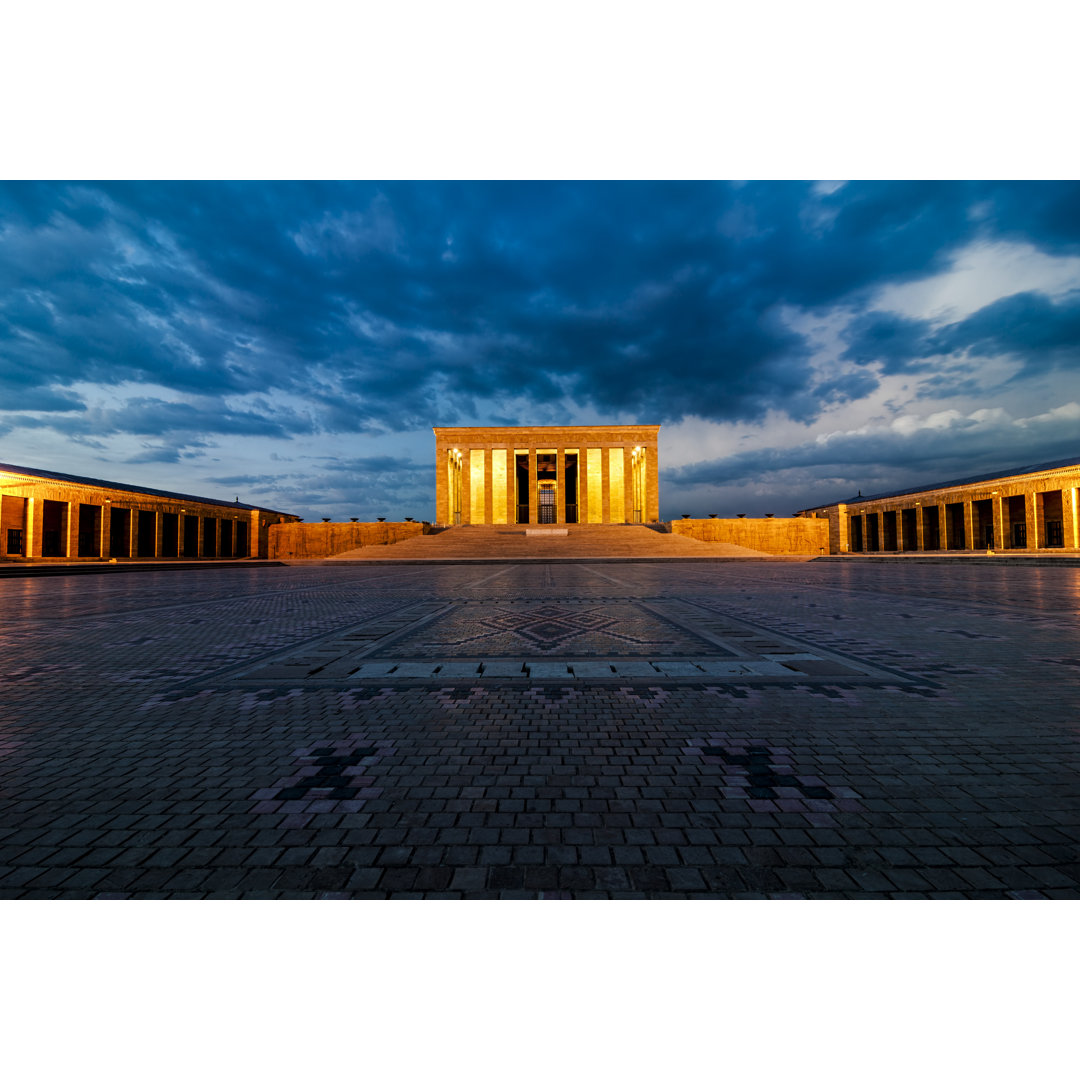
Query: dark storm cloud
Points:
[1039, 332]
[397, 306]
[863, 458]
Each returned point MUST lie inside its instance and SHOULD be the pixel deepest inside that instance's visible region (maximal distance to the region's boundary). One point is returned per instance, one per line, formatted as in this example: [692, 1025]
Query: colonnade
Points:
[40, 519]
[546, 476]
[1006, 517]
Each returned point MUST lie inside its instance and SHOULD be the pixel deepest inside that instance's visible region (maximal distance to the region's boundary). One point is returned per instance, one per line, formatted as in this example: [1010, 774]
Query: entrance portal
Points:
[546, 496]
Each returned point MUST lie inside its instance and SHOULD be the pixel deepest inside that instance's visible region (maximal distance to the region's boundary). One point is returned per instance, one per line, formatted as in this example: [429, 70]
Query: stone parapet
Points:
[322, 540]
[773, 536]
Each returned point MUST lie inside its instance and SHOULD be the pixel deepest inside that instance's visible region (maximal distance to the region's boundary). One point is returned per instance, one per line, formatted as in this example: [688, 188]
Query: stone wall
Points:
[320, 540]
[774, 536]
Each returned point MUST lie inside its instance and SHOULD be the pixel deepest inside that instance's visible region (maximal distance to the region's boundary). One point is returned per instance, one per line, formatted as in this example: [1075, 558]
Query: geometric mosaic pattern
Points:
[608, 639]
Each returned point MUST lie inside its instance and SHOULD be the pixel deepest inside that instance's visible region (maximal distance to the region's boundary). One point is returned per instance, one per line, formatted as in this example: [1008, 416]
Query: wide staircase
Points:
[512, 542]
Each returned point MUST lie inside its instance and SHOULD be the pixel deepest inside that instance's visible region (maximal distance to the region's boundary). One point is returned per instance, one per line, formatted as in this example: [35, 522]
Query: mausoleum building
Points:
[546, 475]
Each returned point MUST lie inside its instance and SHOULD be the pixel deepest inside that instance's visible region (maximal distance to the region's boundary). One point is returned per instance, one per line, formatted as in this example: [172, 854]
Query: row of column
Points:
[609, 485]
[35, 527]
[1026, 521]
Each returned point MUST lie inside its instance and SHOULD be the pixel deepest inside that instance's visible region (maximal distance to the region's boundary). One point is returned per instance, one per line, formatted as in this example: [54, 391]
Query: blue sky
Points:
[292, 344]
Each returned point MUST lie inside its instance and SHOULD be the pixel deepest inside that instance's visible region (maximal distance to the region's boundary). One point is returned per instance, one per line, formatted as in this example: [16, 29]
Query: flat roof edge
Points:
[135, 489]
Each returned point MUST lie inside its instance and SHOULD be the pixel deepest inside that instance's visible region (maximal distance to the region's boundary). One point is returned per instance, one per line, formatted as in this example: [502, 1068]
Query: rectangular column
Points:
[511, 485]
[583, 485]
[943, 527]
[560, 485]
[1033, 518]
[466, 488]
[33, 536]
[106, 529]
[605, 458]
[1070, 517]
[534, 509]
[998, 518]
[969, 525]
[159, 537]
[71, 529]
[498, 487]
[443, 515]
[596, 484]
[489, 502]
[652, 484]
[920, 528]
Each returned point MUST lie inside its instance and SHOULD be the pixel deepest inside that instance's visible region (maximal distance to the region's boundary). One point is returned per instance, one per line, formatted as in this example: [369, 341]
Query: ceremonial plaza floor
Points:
[543, 731]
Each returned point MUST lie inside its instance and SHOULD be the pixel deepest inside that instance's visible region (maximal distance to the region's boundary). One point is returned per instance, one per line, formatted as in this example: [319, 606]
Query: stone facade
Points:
[52, 516]
[293, 540]
[773, 536]
[1032, 510]
[546, 475]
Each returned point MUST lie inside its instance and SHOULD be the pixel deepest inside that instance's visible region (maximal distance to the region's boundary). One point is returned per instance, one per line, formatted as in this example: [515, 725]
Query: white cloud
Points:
[980, 274]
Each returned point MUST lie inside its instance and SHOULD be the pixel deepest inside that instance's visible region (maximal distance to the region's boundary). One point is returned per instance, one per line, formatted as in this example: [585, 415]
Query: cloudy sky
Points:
[294, 344]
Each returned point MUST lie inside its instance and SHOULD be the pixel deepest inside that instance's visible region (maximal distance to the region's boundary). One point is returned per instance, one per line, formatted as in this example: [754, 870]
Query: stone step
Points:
[579, 541]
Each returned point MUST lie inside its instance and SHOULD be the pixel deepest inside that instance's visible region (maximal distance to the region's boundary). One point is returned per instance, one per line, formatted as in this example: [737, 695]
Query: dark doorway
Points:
[170, 535]
[570, 483]
[1053, 517]
[873, 539]
[209, 538]
[226, 538]
[909, 524]
[1016, 520]
[521, 486]
[888, 522]
[191, 536]
[982, 516]
[931, 528]
[54, 529]
[13, 523]
[146, 540]
[857, 533]
[546, 505]
[119, 533]
[955, 533]
[89, 531]
[242, 540]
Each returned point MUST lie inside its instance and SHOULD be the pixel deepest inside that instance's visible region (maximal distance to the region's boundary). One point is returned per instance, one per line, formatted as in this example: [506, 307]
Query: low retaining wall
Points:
[774, 536]
[320, 540]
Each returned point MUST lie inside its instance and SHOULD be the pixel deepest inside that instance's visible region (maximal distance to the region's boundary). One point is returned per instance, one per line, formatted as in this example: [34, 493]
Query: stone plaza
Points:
[543, 730]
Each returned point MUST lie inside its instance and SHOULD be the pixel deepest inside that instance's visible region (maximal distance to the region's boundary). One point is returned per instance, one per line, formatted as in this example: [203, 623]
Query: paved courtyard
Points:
[543, 731]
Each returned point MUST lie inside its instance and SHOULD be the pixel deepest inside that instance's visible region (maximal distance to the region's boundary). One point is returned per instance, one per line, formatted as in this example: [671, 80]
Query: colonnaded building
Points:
[546, 475]
[55, 515]
[1031, 509]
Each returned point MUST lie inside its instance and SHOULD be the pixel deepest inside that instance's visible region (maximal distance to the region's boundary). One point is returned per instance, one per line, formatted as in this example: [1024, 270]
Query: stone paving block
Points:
[458, 670]
[634, 668]
[373, 668]
[722, 667]
[592, 669]
[548, 669]
[504, 669]
[676, 667]
[414, 670]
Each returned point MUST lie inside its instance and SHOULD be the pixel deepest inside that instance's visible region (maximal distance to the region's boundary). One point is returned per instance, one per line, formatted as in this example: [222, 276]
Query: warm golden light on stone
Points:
[498, 487]
[476, 487]
[530, 475]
